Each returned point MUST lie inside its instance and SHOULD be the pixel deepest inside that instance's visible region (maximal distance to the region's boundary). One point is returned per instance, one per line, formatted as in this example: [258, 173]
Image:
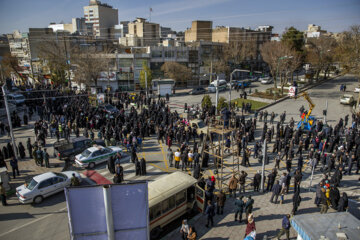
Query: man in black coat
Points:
[276, 189]
[257, 181]
[29, 147]
[111, 164]
[334, 197]
[142, 167]
[271, 180]
[21, 150]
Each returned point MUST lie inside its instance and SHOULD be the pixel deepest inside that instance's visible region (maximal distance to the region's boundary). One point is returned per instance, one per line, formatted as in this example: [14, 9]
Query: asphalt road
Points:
[49, 219]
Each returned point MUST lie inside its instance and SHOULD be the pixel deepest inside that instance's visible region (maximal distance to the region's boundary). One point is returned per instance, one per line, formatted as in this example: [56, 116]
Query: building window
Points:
[156, 54]
[169, 54]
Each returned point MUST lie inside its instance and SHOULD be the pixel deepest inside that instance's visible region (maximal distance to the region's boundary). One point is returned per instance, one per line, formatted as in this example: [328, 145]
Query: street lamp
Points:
[216, 91]
[231, 74]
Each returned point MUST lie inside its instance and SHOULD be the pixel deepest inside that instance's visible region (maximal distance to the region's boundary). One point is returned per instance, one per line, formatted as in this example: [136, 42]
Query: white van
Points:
[222, 84]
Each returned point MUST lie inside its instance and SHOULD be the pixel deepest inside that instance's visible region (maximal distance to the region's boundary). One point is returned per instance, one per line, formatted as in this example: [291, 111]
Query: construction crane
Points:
[306, 119]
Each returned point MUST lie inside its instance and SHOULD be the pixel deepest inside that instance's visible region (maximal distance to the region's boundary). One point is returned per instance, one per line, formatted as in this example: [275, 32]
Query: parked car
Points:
[246, 83]
[266, 80]
[199, 125]
[68, 149]
[16, 98]
[108, 108]
[198, 90]
[347, 99]
[44, 185]
[98, 154]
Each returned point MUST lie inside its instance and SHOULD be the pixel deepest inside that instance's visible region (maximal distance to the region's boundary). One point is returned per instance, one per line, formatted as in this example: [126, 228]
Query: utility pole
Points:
[9, 121]
[67, 61]
[211, 72]
[217, 94]
[108, 86]
[263, 165]
[230, 91]
[146, 87]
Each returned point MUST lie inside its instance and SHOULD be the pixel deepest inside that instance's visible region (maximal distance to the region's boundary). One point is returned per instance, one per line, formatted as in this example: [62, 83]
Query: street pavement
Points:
[32, 221]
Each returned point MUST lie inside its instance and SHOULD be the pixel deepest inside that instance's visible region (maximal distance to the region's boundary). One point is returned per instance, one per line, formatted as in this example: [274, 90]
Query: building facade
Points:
[200, 30]
[141, 34]
[102, 17]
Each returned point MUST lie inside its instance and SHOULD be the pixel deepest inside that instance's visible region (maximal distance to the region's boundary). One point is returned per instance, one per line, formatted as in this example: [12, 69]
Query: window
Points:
[45, 183]
[96, 153]
[78, 144]
[156, 54]
[168, 204]
[155, 211]
[56, 180]
[180, 197]
[32, 184]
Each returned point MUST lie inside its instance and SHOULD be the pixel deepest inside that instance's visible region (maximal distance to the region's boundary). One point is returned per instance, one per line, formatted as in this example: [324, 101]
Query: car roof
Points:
[44, 176]
[15, 95]
[93, 149]
[348, 95]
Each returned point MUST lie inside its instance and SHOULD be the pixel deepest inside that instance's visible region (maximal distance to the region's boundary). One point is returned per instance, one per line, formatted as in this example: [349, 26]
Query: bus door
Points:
[200, 198]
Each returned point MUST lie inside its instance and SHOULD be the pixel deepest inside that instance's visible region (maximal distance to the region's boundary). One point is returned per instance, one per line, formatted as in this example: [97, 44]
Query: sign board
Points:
[118, 210]
[292, 91]
[107, 76]
[101, 98]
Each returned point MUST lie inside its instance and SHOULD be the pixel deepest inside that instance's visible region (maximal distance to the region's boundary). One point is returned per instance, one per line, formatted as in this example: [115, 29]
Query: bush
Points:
[256, 90]
[222, 103]
[206, 102]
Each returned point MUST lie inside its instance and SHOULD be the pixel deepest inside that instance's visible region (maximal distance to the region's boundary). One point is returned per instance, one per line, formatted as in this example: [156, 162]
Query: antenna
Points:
[150, 10]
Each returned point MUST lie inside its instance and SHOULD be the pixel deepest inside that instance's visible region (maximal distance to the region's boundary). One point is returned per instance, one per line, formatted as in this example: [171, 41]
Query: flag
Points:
[151, 9]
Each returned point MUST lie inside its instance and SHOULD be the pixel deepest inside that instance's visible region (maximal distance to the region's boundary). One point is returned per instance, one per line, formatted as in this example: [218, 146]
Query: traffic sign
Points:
[292, 91]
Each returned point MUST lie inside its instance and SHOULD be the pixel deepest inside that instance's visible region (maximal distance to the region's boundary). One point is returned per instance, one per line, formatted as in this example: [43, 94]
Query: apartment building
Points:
[141, 33]
[102, 17]
[199, 31]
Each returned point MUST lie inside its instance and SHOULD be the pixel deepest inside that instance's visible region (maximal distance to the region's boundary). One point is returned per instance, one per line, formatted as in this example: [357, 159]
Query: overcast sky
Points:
[331, 15]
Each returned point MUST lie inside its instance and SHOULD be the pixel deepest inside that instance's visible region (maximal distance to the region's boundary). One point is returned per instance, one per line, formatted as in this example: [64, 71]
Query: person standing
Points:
[210, 213]
[170, 156]
[257, 181]
[323, 200]
[21, 150]
[220, 201]
[46, 158]
[142, 167]
[184, 230]
[249, 206]
[343, 203]
[29, 147]
[276, 189]
[3, 194]
[74, 180]
[239, 208]
[177, 158]
[14, 166]
[233, 185]
[296, 201]
[271, 180]
[242, 180]
[250, 227]
[285, 227]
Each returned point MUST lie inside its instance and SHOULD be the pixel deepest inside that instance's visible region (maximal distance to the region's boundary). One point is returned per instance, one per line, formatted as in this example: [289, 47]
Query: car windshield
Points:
[201, 124]
[109, 107]
[19, 97]
[211, 85]
[31, 184]
[60, 175]
[86, 153]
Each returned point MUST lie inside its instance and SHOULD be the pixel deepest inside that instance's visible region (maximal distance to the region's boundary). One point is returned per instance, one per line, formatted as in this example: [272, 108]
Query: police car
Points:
[97, 154]
[44, 185]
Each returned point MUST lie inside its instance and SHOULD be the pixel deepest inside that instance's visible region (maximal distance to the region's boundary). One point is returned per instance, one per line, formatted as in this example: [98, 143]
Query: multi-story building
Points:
[314, 31]
[142, 33]
[200, 30]
[20, 48]
[77, 26]
[102, 17]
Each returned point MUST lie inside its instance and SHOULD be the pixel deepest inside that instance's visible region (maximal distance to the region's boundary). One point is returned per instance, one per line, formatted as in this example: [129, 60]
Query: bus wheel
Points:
[155, 233]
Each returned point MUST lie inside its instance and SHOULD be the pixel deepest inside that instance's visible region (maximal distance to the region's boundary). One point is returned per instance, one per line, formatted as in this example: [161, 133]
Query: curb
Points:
[302, 90]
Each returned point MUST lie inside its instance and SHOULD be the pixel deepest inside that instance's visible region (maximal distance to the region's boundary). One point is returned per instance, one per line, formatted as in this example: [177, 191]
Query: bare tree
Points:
[178, 72]
[321, 53]
[10, 64]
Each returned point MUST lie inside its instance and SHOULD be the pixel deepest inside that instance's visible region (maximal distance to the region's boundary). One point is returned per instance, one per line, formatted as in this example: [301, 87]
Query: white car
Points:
[357, 90]
[266, 80]
[347, 99]
[16, 98]
[44, 185]
[99, 154]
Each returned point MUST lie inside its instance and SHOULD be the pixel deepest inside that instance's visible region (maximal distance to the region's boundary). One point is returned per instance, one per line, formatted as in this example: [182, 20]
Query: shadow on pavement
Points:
[14, 216]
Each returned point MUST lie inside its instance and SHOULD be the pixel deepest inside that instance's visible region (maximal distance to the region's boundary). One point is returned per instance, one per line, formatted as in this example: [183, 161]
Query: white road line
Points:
[31, 222]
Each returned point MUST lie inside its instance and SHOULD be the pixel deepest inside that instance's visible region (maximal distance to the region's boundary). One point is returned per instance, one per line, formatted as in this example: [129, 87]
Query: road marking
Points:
[163, 169]
[31, 222]
[163, 153]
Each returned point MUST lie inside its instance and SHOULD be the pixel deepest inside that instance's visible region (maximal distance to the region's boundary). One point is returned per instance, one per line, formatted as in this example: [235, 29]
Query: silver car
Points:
[44, 185]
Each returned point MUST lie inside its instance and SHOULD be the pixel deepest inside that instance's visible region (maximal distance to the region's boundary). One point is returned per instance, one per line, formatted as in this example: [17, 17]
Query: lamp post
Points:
[231, 74]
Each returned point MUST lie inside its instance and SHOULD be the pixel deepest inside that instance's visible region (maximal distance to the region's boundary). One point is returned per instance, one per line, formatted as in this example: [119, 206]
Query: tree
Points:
[89, 64]
[10, 64]
[274, 54]
[206, 102]
[293, 38]
[321, 54]
[220, 66]
[176, 71]
[148, 76]
[222, 103]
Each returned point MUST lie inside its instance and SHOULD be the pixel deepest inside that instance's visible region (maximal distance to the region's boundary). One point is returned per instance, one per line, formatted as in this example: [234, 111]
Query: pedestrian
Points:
[239, 208]
[142, 167]
[220, 201]
[3, 194]
[249, 206]
[184, 230]
[74, 180]
[111, 164]
[242, 180]
[296, 201]
[257, 181]
[343, 203]
[271, 180]
[250, 227]
[276, 190]
[285, 227]
[192, 233]
[177, 158]
[46, 158]
[14, 166]
[21, 150]
[323, 201]
[233, 182]
[29, 147]
[210, 213]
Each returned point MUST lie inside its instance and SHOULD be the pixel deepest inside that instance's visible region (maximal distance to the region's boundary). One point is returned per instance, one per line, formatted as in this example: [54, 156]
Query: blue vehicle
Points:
[246, 83]
[307, 121]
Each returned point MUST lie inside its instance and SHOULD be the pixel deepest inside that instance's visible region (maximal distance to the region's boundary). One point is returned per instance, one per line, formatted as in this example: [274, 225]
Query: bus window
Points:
[155, 211]
[168, 204]
[180, 197]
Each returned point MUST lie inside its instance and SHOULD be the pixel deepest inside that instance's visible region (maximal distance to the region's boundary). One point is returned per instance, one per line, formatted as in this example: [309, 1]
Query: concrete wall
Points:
[200, 30]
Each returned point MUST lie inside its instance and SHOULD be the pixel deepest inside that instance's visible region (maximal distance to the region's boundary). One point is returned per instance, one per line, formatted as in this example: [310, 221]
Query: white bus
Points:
[170, 197]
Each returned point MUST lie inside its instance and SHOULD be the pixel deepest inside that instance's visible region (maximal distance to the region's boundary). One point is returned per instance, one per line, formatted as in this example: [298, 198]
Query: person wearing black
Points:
[210, 213]
[137, 167]
[21, 150]
[276, 189]
[142, 167]
[3, 194]
[343, 203]
[297, 180]
[196, 171]
[14, 166]
[334, 197]
[239, 204]
[29, 147]
[296, 201]
[111, 164]
[257, 181]
[220, 202]
[271, 180]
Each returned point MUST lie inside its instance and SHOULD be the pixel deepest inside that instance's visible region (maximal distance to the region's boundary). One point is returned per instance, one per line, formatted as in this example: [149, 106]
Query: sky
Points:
[331, 15]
